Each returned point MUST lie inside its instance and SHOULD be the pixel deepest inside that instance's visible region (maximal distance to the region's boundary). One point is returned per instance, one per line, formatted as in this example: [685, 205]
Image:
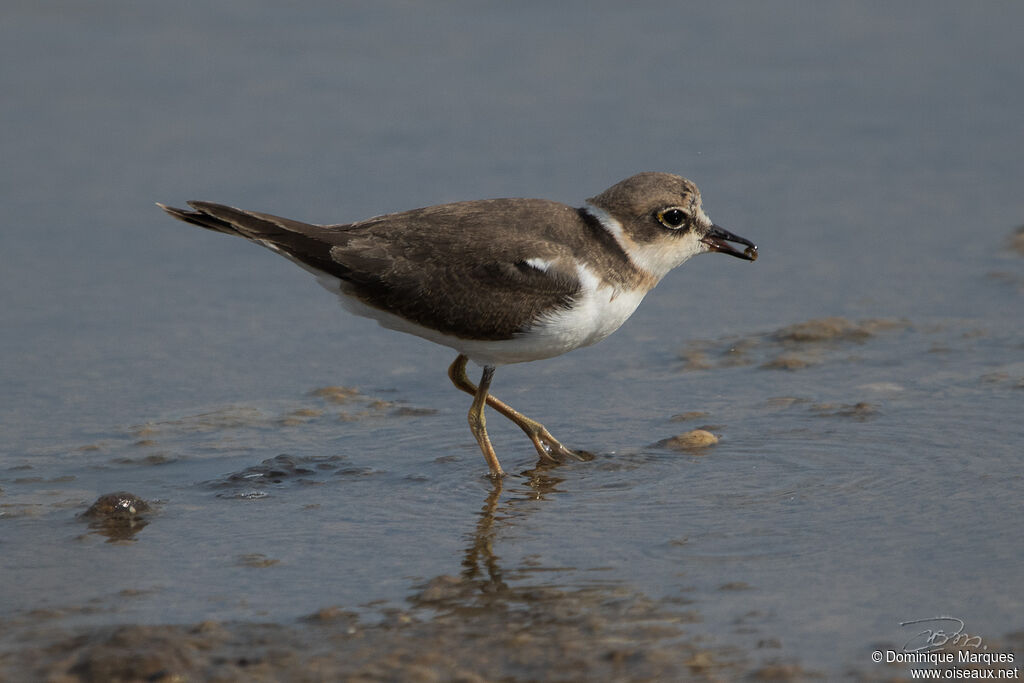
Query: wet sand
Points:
[495, 618]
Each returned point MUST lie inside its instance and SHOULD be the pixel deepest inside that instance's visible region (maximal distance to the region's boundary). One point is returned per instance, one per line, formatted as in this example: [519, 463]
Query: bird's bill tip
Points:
[718, 239]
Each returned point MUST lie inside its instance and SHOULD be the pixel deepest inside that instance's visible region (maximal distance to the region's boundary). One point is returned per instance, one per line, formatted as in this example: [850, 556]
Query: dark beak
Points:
[718, 239]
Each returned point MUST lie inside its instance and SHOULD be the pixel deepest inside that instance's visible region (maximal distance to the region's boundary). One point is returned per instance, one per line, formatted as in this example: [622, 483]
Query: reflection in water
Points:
[542, 483]
[118, 530]
[481, 547]
[539, 484]
[500, 622]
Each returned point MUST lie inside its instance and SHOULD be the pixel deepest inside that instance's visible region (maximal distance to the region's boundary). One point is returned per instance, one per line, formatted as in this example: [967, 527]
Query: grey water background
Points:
[872, 150]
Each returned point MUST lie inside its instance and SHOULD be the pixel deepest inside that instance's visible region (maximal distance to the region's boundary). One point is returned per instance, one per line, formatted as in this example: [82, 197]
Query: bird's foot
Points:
[548, 447]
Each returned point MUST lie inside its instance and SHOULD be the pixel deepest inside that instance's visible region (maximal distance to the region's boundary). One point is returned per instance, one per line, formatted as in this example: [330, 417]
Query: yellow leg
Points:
[548, 447]
[478, 423]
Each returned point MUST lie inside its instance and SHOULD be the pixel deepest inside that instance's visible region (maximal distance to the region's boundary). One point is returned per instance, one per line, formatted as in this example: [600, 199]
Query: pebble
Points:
[693, 439]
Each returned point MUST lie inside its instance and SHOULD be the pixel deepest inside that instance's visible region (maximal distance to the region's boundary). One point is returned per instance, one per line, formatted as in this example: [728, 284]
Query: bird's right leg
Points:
[478, 424]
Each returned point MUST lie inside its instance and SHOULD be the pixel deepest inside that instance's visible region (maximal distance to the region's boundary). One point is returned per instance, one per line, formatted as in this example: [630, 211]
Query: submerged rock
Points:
[118, 515]
[118, 506]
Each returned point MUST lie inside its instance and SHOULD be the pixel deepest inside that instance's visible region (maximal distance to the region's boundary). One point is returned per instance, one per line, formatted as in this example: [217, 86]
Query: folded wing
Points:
[440, 267]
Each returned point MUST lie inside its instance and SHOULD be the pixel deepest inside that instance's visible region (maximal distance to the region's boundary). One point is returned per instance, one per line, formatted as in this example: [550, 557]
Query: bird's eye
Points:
[672, 218]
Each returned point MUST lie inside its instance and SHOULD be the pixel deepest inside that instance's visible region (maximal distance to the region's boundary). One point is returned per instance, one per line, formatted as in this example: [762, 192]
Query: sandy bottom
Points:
[455, 629]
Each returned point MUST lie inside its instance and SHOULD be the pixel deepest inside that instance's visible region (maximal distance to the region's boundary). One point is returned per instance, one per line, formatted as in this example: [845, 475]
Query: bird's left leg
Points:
[548, 447]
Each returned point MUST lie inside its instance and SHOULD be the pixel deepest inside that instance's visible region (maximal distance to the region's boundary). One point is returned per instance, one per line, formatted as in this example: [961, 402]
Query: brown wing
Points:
[456, 268]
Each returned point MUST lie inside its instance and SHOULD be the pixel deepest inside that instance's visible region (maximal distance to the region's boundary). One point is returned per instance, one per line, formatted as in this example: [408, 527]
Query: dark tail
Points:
[248, 224]
[304, 242]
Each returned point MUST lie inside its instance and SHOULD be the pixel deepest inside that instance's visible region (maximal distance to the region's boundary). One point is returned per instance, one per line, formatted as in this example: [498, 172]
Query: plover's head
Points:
[658, 220]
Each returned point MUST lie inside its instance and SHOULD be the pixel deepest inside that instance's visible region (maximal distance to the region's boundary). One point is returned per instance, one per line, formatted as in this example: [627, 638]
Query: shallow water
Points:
[865, 376]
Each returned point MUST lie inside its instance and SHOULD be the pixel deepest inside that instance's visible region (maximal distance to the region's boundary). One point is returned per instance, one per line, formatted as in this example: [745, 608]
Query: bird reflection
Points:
[480, 563]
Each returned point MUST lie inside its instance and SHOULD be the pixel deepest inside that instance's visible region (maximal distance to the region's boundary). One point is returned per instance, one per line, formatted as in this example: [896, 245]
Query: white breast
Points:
[598, 311]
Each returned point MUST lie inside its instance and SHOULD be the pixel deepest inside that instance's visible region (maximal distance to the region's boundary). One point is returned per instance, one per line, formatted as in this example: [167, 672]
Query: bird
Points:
[499, 281]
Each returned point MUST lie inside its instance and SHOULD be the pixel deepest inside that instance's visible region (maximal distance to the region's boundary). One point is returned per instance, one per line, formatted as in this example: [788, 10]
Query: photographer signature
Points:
[939, 632]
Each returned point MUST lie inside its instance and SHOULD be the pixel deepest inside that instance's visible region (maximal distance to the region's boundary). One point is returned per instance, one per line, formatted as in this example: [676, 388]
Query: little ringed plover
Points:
[498, 280]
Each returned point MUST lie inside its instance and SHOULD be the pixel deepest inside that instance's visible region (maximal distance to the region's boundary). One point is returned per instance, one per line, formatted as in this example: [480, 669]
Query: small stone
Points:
[117, 506]
[691, 440]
